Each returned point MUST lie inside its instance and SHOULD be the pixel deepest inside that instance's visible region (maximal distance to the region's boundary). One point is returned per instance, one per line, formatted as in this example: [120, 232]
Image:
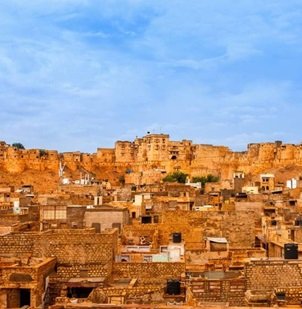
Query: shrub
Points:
[205, 179]
[179, 177]
[18, 145]
[42, 152]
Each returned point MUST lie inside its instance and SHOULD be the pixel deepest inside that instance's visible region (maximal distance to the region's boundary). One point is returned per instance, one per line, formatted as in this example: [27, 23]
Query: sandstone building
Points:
[114, 235]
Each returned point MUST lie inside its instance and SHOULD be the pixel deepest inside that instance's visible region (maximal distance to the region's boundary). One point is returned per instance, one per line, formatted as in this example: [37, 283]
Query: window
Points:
[147, 258]
[54, 212]
[163, 249]
[280, 295]
[48, 214]
[125, 258]
[60, 212]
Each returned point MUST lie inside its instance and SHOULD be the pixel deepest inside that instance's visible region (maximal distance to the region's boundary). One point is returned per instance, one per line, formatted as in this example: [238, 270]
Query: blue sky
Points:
[80, 74]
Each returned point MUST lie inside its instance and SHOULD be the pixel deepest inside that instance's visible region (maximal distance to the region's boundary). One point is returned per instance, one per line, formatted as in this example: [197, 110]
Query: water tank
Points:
[16, 207]
[176, 237]
[291, 251]
[173, 287]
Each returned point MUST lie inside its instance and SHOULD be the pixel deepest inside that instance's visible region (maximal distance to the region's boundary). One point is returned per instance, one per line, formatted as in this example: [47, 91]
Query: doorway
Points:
[24, 297]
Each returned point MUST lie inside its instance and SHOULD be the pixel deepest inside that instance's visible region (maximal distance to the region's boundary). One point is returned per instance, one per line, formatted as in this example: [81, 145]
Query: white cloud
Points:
[87, 72]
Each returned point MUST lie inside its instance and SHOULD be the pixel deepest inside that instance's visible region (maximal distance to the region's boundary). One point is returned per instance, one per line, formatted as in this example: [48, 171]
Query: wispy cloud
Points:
[78, 74]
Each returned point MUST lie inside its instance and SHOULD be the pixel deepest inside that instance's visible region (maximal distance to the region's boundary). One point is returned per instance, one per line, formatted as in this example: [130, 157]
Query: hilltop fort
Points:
[148, 159]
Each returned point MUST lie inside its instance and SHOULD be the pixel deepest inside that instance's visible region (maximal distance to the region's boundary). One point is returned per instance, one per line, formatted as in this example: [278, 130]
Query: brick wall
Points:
[148, 270]
[65, 272]
[268, 275]
[77, 246]
[17, 244]
[231, 291]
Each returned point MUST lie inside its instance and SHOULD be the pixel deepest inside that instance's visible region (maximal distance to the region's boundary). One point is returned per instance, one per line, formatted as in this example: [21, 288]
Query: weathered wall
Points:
[107, 219]
[76, 246]
[17, 244]
[231, 291]
[195, 226]
[237, 227]
[270, 275]
[148, 270]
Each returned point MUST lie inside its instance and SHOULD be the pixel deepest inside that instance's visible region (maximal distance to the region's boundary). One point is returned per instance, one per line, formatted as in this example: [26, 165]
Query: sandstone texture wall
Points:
[77, 247]
[237, 226]
[277, 276]
[231, 291]
[269, 275]
[148, 270]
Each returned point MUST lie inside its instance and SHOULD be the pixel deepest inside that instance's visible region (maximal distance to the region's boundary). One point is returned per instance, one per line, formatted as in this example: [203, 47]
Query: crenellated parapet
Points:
[158, 153]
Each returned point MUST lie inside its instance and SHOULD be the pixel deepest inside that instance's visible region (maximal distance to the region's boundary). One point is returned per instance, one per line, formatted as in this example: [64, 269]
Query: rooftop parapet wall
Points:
[17, 244]
[78, 246]
[148, 270]
[273, 274]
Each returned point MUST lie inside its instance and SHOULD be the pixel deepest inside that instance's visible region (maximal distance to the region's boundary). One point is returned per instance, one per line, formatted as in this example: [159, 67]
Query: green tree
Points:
[42, 153]
[179, 177]
[18, 145]
[212, 178]
[202, 179]
[205, 179]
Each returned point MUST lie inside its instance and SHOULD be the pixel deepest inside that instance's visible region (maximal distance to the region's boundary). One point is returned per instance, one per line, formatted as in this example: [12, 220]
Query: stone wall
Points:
[70, 246]
[277, 276]
[106, 218]
[77, 246]
[237, 227]
[270, 274]
[17, 244]
[221, 291]
[148, 270]
[65, 272]
[79, 253]
[32, 276]
[195, 226]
